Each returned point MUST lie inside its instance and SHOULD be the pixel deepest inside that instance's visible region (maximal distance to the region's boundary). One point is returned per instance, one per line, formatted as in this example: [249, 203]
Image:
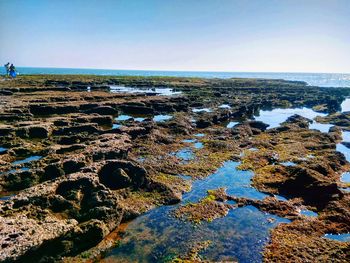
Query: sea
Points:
[312, 79]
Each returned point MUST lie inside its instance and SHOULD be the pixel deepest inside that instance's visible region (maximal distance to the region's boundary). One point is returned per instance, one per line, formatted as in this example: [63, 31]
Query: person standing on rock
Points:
[7, 67]
[13, 72]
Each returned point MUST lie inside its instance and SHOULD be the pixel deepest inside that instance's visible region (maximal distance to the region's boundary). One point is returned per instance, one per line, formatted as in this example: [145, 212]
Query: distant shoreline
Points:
[313, 79]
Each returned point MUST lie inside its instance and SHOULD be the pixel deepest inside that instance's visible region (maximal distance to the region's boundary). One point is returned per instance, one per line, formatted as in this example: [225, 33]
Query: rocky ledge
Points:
[78, 158]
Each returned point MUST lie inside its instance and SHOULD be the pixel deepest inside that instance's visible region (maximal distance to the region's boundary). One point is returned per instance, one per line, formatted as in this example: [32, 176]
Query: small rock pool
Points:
[157, 236]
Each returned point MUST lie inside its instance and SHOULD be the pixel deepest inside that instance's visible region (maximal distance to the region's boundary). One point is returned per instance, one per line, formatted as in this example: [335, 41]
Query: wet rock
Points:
[122, 174]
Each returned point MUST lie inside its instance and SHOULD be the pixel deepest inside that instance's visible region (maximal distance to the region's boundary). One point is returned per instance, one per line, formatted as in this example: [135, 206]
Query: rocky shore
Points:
[81, 155]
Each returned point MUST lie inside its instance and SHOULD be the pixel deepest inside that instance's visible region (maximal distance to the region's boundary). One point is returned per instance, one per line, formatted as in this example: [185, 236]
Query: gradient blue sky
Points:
[216, 35]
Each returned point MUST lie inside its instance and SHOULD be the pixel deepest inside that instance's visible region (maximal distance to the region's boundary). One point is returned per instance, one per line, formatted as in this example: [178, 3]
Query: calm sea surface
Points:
[315, 79]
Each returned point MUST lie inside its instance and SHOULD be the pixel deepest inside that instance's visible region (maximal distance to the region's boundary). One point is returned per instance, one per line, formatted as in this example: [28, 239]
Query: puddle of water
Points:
[344, 150]
[6, 197]
[345, 106]
[322, 127]
[189, 140]
[199, 135]
[231, 124]
[139, 119]
[201, 110]
[27, 160]
[338, 237]
[345, 177]
[15, 170]
[154, 91]
[116, 126]
[288, 164]
[224, 106]
[186, 154]
[161, 118]
[275, 117]
[157, 236]
[346, 136]
[128, 117]
[123, 118]
[309, 213]
[198, 145]
[2, 149]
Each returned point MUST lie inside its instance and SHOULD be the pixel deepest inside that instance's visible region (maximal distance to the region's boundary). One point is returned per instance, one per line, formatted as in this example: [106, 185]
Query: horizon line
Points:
[205, 71]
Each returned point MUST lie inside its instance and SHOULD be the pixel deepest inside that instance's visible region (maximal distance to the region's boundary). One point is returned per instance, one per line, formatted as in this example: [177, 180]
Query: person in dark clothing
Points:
[7, 67]
[13, 72]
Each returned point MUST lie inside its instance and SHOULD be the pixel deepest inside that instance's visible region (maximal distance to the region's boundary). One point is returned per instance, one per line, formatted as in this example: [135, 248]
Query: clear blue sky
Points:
[215, 35]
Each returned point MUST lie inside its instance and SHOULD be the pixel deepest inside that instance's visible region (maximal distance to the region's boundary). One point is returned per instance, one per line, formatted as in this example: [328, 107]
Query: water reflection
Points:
[275, 117]
[345, 106]
[27, 160]
[152, 91]
[338, 237]
[157, 236]
[161, 118]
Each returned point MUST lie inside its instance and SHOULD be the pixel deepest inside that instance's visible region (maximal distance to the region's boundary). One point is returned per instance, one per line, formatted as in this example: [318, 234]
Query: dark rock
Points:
[38, 132]
[136, 109]
[121, 174]
[257, 125]
[88, 128]
[52, 171]
[103, 110]
[201, 124]
[38, 109]
[72, 166]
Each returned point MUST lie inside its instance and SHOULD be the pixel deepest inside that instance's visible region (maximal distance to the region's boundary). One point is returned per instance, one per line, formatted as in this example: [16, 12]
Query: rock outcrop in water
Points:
[71, 173]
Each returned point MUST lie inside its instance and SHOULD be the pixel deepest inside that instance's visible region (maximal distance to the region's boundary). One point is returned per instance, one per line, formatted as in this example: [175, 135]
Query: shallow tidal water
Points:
[158, 236]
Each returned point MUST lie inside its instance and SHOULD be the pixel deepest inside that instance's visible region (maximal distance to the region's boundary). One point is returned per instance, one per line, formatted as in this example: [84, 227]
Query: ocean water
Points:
[314, 79]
